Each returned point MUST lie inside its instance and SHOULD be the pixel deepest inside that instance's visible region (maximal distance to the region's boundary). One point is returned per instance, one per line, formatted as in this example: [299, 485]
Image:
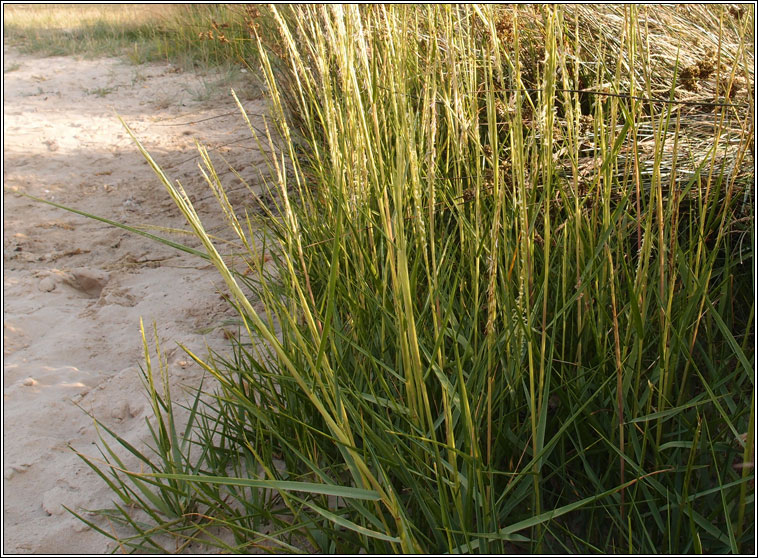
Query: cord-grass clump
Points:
[509, 304]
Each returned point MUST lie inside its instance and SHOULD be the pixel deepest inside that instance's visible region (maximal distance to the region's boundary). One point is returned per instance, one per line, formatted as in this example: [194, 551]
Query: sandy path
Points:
[74, 289]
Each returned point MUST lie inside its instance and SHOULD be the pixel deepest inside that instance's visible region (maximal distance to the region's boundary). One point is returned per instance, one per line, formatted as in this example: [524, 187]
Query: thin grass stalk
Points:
[684, 502]
[547, 178]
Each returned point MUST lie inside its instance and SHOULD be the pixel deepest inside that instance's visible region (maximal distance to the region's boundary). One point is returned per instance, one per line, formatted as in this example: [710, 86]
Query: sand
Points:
[75, 289]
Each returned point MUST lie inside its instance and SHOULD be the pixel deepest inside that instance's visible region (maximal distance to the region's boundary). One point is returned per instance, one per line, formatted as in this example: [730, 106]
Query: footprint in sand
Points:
[54, 499]
[13, 470]
[88, 281]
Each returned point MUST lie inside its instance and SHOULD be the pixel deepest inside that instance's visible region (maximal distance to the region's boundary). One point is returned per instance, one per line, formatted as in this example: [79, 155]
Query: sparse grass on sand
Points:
[143, 32]
[505, 298]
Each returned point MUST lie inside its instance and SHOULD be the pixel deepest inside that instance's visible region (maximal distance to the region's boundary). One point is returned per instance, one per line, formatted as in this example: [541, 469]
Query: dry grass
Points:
[144, 32]
[705, 41]
[68, 17]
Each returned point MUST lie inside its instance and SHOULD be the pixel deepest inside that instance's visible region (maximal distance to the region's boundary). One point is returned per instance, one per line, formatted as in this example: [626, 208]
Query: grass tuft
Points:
[509, 297]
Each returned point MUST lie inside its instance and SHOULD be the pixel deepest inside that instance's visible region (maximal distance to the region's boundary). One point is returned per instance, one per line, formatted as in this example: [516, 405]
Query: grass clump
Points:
[504, 300]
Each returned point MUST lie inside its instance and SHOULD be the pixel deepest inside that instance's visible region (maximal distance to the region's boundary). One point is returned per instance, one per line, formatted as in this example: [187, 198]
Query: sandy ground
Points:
[75, 289]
